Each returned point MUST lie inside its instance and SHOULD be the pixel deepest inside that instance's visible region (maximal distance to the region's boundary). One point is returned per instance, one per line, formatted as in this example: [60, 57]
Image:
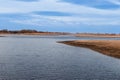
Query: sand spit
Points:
[107, 47]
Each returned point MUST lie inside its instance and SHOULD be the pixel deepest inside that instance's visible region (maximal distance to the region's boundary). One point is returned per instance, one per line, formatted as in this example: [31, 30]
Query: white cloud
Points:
[81, 14]
[117, 2]
[12, 6]
[38, 20]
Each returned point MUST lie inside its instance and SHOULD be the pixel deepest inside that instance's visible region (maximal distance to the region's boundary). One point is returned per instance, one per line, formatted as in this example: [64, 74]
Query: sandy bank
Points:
[98, 35]
[107, 47]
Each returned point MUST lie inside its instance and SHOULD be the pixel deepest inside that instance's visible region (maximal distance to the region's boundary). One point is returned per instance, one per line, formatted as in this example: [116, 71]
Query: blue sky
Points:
[61, 15]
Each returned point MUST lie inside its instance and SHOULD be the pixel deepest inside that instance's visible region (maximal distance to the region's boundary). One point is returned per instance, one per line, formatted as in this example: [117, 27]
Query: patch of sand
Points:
[107, 47]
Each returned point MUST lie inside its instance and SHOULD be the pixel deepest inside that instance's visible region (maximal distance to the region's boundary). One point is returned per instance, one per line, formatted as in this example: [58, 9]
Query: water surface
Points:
[41, 58]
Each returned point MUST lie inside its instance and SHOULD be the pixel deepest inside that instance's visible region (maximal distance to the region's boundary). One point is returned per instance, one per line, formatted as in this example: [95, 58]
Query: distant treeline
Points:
[5, 31]
[19, 31]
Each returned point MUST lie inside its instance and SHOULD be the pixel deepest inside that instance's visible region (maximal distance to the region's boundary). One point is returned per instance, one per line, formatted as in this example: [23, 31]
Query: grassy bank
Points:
[107, 47]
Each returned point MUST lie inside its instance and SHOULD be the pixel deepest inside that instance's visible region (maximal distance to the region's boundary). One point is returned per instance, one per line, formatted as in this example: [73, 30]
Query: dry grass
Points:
[97, 35]
[107, 47]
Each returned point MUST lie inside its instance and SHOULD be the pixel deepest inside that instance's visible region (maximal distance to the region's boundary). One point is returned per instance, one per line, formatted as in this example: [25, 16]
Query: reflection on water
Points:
[41, 58]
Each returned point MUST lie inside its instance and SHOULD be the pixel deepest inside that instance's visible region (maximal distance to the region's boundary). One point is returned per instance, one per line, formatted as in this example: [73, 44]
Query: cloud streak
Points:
[101, 4]
[62, 13]
[52, 13]
[27, 0]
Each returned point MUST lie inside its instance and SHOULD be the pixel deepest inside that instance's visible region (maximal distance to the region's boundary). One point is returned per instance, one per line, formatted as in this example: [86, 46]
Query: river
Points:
[42, 58]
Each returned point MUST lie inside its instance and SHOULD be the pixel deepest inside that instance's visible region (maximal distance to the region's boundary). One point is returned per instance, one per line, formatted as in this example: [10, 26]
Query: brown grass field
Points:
[107, 47]
[97, 35]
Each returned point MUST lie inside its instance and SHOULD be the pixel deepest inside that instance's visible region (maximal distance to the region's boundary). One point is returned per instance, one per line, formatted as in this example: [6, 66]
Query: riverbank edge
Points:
[100, 46]
[2, 36]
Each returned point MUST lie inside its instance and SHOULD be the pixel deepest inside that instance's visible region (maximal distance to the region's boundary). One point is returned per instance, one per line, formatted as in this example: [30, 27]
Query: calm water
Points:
[41, 58]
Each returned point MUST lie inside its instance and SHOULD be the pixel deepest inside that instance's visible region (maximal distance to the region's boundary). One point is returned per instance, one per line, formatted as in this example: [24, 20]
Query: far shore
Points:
[41, 34]
[47, 33]
[63, 33]
[35, 34]
[107, 47]
[31, 32]
[97, 35]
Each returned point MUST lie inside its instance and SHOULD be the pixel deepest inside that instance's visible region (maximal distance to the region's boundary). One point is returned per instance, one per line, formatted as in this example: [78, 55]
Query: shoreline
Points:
[41, 33]
[46, 34]
[106, 47]
[98, 35]
[33, 34]
[2, 36]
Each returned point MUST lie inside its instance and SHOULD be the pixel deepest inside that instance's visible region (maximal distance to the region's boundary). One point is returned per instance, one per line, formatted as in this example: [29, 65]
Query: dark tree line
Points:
[19, 31]
[29, 31]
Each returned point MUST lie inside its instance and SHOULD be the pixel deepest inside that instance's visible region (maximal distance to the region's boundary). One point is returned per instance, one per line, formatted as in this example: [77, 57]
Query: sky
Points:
[94, 16]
